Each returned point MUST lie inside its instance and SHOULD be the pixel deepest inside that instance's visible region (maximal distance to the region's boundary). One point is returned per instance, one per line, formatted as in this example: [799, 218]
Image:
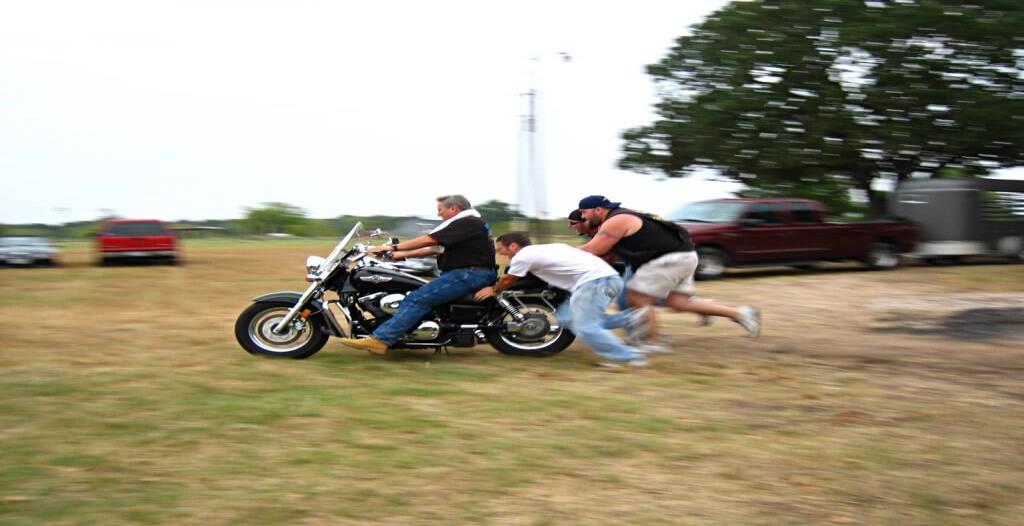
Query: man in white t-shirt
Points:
[593, 284]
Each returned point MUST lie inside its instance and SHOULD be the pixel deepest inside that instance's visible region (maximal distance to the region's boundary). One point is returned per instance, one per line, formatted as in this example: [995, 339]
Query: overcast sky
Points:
[197, 109]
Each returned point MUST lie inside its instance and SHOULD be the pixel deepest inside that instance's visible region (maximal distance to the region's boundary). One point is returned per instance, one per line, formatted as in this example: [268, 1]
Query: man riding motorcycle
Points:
[466, 261]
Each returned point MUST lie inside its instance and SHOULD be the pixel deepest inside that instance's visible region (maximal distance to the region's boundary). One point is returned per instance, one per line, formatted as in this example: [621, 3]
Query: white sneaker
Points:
[651, 348]
[635, 363]
[750, 319]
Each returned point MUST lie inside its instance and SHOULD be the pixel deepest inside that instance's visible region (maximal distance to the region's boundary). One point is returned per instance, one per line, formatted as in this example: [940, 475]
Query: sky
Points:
[198, 109]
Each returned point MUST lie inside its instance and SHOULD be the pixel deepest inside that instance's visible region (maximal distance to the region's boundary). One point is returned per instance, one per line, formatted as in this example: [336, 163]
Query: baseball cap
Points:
[595, 201]
[576, 215]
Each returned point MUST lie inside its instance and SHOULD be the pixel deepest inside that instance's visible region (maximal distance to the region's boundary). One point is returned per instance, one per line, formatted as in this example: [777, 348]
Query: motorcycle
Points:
[351, 292]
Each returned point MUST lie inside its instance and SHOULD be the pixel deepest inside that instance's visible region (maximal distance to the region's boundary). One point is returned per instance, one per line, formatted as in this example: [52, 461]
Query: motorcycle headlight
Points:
[313, 264]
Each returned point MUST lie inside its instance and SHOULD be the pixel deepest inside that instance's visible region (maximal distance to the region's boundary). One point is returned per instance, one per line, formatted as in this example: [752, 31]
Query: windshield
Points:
[340, 248]
[708, 212]
[137, 228]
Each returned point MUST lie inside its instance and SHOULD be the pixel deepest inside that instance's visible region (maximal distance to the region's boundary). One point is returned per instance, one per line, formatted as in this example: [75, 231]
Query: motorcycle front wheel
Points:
[254, 332]
[536, 341]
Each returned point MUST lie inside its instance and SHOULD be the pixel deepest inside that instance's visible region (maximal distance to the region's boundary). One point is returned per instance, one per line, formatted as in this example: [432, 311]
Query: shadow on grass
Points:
[967, 325]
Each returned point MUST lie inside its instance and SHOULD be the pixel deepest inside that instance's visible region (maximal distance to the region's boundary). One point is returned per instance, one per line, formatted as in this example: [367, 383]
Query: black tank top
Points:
[652, 241]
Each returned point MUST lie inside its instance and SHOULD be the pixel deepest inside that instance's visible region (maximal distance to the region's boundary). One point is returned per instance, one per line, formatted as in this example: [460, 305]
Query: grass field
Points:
[871, 398]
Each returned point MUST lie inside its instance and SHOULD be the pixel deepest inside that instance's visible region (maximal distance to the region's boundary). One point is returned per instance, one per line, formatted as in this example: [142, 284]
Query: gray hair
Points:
[455, 200]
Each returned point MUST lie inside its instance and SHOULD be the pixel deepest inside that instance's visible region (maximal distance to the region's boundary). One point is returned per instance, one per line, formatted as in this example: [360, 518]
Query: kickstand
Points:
[442, 349]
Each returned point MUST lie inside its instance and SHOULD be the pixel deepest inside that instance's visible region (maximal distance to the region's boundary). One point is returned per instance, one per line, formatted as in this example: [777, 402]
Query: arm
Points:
[406, 246]
[520, 264]
[611, 232]
[417, 253]
[504, 283]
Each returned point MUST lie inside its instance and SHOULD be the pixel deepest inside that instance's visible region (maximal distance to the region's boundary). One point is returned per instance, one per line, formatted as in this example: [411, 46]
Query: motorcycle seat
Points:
[467, 299]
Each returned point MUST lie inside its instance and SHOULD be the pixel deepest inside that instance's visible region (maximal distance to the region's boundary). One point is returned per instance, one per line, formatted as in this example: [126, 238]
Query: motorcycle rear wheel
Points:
[554, 343]
[253, 330]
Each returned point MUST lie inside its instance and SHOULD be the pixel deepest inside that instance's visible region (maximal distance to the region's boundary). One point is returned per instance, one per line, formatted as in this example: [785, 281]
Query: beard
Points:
[593, 222]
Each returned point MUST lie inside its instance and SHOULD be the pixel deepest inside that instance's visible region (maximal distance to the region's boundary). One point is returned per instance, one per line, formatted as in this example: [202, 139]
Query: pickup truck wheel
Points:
[710, 263]
[1019, 257]
[882, 256]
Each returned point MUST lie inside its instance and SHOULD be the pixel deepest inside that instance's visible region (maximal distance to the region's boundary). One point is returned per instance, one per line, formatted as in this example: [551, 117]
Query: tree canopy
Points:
[816, 97]
[276, 217]
[499, 211]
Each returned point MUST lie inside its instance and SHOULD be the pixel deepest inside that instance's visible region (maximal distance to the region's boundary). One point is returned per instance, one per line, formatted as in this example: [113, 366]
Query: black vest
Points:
[655, 238]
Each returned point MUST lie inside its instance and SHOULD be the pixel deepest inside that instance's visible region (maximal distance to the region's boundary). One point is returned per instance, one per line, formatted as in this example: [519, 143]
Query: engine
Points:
[382, 305]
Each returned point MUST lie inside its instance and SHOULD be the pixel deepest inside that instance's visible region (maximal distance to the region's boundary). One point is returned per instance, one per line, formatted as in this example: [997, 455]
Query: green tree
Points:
[823, 96]
[276, 217]
[498, 211]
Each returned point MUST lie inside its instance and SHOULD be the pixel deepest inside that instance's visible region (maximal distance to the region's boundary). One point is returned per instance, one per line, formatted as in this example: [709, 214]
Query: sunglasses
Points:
[574, 223]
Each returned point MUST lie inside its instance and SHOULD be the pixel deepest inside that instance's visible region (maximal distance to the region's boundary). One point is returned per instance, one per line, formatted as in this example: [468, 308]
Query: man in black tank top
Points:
[664, 261]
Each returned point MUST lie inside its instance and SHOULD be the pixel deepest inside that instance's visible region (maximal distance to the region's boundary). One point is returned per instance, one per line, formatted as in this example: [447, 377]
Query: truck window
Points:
[147, 228]
[708, 212]
[767, 213]
[803, 213]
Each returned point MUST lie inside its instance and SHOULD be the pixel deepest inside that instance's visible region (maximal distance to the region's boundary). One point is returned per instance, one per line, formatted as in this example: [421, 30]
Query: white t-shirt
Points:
[559, 265]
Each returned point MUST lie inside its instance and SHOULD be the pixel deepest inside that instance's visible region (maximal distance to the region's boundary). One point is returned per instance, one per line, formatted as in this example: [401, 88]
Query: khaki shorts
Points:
[662, 276]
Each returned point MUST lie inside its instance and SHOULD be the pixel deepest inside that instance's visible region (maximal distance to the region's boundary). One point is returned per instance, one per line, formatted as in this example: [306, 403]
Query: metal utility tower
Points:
[532, 187]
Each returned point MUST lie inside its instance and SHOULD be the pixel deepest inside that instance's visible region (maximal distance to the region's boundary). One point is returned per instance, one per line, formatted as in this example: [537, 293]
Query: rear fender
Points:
[317, 307]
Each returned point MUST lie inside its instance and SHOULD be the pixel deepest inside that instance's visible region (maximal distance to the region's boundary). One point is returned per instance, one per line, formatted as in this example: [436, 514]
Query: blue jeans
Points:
[450, 285]
[621, 301]
[584, 314]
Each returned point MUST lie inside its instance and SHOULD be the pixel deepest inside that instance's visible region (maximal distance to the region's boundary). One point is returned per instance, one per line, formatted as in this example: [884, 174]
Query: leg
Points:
[748, 317]
[564, 315]
[621, 318]
[681, 302]
[451, 285]
[653, 282]
[643, 301]
[622, 301]
[587, 305]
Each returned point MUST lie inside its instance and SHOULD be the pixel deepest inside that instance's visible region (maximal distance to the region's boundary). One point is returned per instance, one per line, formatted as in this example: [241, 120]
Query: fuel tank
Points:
[373, 279]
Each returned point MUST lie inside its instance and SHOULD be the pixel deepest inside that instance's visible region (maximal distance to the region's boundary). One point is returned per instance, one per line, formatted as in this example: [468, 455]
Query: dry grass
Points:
[127, 401]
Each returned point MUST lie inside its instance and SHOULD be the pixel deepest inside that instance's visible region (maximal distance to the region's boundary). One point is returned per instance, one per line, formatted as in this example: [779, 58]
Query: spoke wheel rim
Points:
[538, 345]
[261, 332]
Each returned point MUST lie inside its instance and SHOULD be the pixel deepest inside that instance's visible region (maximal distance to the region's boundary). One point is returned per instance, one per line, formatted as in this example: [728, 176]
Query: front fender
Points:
[283, 295]
[316, 306]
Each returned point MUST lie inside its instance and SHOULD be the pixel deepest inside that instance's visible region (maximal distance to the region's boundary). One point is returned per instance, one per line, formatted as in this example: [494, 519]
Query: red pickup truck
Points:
[793, 232]
[124, 239]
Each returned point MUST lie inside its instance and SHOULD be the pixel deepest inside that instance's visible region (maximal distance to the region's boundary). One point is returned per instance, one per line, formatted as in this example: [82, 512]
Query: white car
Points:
[27, 251]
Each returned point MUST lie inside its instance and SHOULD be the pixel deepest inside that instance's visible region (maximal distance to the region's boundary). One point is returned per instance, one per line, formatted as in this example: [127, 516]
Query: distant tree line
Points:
[279, 218]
